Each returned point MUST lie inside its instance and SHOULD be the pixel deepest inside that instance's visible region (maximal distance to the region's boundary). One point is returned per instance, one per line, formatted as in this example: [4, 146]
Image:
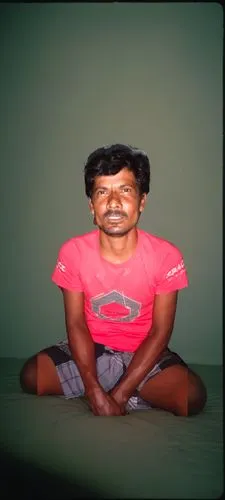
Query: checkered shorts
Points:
[111, 366]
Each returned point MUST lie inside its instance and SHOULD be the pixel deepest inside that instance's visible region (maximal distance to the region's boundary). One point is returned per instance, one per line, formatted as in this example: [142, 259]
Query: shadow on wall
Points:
[20, 478]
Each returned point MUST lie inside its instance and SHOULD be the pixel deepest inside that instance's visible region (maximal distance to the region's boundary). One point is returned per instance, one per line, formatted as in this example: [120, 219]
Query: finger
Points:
[94, 411]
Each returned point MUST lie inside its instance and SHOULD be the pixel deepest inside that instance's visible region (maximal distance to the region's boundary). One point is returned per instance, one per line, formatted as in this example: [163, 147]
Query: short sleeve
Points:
[172, 273]
[66, 272]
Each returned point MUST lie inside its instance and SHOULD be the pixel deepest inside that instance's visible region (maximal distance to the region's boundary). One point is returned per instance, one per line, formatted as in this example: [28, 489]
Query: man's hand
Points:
[103, 404]
[119, 398]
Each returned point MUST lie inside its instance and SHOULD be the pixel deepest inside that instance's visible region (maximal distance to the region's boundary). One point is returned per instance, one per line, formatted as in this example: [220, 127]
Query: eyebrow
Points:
[121, 186]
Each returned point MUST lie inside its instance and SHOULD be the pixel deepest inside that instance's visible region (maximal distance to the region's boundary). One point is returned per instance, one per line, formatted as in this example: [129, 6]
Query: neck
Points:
[118, 249]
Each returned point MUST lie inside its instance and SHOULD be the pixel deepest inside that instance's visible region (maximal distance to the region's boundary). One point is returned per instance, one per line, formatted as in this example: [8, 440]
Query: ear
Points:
[91, 208]
[143, 202]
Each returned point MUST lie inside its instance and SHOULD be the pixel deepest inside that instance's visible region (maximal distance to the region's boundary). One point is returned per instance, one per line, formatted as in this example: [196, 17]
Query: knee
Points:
[197, 395]
[28, 376]
[191, 397]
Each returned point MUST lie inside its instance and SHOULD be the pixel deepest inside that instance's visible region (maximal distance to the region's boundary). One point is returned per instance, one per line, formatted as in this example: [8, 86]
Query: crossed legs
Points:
[176, 389]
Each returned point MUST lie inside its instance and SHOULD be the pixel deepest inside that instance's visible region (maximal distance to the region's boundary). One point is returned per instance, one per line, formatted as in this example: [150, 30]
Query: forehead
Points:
[125, 176]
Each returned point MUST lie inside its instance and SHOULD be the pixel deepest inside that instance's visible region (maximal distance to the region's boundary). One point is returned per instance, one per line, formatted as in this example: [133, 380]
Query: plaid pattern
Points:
[111, 366]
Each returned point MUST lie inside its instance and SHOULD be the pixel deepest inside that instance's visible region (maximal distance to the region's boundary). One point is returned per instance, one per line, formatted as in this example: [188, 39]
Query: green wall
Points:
[75, 77]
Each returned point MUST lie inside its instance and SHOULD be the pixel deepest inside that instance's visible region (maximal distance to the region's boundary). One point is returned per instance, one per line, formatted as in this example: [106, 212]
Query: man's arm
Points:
[83, 352]
[148, 352]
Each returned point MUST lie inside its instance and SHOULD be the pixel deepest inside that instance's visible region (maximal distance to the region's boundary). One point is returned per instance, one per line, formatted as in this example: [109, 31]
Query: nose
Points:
[114, 200]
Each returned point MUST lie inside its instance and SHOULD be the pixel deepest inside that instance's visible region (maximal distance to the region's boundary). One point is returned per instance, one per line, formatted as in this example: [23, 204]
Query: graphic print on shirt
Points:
[115, 306]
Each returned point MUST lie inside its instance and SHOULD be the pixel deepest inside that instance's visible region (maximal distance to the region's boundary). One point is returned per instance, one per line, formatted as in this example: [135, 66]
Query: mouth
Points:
[115, 218]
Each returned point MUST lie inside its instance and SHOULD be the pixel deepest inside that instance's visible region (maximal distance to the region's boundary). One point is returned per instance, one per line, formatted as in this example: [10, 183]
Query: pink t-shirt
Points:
[119, 297]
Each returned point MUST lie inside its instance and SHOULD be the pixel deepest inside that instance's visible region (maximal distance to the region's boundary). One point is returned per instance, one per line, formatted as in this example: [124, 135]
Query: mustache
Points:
[115, 213]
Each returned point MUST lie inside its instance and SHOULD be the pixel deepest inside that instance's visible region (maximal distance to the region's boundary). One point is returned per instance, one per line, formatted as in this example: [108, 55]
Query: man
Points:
[120, 287]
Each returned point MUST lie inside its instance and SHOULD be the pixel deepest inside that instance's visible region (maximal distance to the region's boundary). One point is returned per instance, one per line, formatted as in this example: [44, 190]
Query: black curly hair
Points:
[109, 160]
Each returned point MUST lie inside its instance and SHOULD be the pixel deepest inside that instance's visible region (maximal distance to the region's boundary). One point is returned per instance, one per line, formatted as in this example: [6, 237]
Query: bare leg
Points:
[176, 389]
[39, 376]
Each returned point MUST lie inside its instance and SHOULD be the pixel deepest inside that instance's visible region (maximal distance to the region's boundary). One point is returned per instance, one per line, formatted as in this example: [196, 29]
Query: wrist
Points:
[119, 395]
[93, 389]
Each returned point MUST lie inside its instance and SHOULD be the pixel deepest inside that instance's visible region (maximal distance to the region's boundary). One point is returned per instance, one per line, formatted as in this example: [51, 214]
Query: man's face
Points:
[116, 203]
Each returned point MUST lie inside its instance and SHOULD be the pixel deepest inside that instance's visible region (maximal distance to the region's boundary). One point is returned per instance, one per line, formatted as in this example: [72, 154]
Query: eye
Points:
[126, 190]
[101, 192]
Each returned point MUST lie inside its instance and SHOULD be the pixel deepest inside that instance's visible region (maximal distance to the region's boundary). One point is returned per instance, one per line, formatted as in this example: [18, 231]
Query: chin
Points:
[116, 231]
